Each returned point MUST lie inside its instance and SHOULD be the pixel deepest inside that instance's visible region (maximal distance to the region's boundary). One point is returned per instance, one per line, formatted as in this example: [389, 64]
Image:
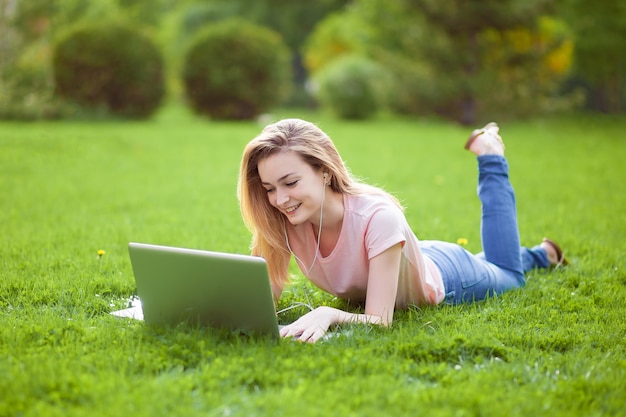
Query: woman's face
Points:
[293, 187]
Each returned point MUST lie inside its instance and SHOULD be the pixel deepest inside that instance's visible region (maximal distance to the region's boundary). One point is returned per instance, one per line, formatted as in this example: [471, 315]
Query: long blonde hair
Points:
[264, 221]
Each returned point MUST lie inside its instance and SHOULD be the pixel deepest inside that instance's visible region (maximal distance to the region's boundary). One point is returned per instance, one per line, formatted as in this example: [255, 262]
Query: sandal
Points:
[475, 134]
[489, 144]
[562, 261]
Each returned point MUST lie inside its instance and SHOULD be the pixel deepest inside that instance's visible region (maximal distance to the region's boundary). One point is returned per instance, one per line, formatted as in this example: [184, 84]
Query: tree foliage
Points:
[236, 70]
[353, 87]
[600, 64]
[337, 35]
[294, 20]
[110, 66]
[462, 59]
[29, 29]
[455, 57]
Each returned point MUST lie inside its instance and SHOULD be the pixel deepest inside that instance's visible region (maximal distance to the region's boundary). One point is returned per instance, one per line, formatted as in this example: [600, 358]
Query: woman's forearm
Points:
[346, 317]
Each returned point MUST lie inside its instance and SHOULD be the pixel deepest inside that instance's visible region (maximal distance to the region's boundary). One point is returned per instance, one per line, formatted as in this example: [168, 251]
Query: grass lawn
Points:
[556, 347]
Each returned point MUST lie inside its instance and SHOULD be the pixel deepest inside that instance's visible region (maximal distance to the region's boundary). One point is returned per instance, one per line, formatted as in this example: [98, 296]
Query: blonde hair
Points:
[265, 222]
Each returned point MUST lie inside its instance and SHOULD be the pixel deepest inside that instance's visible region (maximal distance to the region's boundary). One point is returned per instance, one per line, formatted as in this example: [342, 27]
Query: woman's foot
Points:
[486, 141]
[554, 252]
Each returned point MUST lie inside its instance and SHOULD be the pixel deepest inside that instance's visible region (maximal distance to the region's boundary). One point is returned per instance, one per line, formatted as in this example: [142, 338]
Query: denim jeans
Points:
[503, 262]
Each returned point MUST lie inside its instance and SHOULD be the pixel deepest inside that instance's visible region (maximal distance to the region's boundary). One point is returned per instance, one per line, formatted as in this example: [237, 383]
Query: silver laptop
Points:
[216, 289]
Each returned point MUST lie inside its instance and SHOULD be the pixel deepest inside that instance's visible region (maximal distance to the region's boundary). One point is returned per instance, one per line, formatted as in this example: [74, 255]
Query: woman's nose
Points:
[282, 197]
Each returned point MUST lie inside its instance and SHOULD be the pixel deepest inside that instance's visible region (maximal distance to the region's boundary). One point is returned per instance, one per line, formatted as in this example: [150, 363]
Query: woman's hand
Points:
[382, 288]
[313, 325]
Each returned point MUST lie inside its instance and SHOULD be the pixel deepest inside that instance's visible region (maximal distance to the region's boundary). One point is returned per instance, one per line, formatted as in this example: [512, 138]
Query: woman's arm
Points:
[382, 287]
[382, 284]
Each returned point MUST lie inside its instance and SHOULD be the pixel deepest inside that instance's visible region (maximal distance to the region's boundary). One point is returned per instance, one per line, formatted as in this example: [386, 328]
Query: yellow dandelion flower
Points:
[461, 241]
[101, 252]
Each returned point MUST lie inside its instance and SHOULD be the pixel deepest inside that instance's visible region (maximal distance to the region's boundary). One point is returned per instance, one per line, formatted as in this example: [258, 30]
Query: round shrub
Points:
[353, 87]
[110, 66]
[236, 70]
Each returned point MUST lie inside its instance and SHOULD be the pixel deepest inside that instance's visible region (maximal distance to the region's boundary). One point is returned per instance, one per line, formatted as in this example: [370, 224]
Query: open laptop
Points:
[216, 289]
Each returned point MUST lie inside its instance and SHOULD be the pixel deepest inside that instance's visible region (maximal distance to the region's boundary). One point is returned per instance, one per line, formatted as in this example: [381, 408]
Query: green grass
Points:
[556, 347]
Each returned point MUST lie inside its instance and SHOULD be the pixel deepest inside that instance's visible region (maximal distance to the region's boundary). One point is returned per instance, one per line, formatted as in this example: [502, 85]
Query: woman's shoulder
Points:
[369, 203]
[375, 214]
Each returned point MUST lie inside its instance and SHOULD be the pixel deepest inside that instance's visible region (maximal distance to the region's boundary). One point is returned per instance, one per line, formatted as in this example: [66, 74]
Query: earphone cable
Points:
[319, 235]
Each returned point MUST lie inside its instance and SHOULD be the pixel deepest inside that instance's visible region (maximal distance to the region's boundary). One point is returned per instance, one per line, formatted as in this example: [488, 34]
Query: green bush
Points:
[353, 87]
[236, 70]
[110, 66]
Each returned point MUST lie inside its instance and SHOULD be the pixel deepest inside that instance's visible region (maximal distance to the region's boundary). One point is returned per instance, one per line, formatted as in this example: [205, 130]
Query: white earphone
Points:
[319, 232]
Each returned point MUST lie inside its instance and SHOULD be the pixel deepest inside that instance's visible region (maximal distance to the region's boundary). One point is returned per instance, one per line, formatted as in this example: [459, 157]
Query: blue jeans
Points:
[503, 262]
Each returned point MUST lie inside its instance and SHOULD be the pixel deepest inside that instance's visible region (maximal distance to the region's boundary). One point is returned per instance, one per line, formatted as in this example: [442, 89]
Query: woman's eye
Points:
[291, 184]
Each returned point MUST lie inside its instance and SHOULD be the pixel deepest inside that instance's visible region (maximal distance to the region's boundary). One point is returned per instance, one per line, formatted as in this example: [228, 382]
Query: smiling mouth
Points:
[291, 209]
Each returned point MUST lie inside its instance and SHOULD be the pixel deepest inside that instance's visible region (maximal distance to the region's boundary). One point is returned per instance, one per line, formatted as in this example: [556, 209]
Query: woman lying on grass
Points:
[353, 240]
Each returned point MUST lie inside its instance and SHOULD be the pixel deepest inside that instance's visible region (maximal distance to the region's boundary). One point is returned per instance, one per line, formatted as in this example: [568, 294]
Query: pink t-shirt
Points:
[372, 223]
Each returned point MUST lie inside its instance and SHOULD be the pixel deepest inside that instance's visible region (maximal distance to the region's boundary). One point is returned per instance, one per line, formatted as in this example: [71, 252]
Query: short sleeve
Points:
[384, 230]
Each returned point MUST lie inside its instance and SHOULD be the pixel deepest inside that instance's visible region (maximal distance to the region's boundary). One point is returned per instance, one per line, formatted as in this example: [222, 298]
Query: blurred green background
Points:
[464, 61]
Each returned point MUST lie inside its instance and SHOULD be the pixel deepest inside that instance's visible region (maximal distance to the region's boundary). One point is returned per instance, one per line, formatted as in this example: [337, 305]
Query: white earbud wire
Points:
[319, 234]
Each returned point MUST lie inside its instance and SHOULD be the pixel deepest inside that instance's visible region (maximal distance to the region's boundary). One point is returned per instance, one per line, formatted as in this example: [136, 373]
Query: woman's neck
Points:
[332, 220]
[332, 216]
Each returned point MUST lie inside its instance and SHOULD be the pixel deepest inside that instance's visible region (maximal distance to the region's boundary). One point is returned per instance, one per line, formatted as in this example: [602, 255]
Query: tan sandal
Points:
[488, 146]
[475, 134]
[562, 261]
